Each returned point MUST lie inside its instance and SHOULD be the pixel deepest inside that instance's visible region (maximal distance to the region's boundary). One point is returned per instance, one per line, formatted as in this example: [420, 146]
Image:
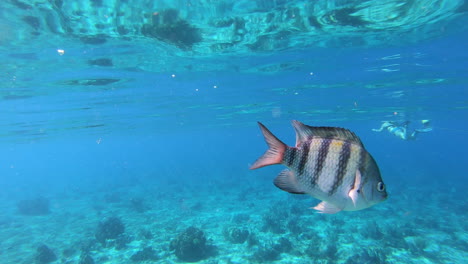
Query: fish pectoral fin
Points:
[287, 181]
[354, 192]
[327, 208]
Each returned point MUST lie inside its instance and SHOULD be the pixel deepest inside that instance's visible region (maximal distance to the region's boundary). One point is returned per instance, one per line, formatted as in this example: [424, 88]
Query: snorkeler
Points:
[401, 129]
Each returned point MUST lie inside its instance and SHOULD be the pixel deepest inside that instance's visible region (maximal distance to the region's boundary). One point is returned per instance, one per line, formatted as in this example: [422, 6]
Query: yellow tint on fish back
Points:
[337, 143]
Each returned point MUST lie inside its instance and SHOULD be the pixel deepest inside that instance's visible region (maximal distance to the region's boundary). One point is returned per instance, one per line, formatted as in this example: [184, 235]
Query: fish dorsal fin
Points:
[305, 132]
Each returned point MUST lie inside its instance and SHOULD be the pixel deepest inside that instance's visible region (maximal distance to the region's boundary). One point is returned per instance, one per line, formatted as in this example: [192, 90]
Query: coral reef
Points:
[283, 245]
[144, 255]
[110, 228]
[121, 242]
[252, 240]
[197, 206]
[271, 251]
[86, 259]
[138, 205]
[240, 218]
[372, 231]
[236, 235]
[145, 234]
[44, 255]
[88, 245]
[68, 252]
[37, 206]
[113, 197]
[275, 219]
[190, 245]
[367, 256]
[416, 244]
[265, 254]
[294, 226]
[319, 249]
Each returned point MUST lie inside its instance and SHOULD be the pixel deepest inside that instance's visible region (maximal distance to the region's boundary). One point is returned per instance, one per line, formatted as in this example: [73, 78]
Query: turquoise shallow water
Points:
[127, 129]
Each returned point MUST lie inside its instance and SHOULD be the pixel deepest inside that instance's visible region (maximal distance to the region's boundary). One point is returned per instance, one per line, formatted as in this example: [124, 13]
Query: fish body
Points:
[328, 163]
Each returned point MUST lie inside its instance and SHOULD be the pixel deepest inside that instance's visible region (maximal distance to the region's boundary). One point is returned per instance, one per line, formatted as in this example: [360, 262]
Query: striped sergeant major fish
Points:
[328, 163]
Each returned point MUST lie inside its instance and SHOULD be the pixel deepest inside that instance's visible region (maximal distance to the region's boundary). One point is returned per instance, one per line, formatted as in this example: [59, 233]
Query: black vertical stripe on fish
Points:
[363, 158]
[344, 156]
[321, 157]
[291, 156]
[305, 155]
[362, 163]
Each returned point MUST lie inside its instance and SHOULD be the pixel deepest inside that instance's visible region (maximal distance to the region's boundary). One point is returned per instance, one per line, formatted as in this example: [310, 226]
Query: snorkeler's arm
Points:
[382, 127]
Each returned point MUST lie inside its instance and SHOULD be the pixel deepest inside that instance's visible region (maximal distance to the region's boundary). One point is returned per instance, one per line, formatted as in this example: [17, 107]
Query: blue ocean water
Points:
[128, 129]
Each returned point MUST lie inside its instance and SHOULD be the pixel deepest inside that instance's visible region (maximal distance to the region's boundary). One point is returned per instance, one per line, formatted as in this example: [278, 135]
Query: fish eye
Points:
[380, 187]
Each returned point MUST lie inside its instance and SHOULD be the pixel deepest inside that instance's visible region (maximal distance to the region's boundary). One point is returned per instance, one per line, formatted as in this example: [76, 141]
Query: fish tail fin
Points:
[275, 152]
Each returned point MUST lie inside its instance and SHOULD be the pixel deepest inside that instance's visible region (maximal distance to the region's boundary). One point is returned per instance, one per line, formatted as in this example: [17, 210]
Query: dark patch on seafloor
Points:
[44, 255]
[91, 82]
[36, 206]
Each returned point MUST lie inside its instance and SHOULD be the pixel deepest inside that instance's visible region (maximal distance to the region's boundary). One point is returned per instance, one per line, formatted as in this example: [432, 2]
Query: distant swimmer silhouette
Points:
[400, 129]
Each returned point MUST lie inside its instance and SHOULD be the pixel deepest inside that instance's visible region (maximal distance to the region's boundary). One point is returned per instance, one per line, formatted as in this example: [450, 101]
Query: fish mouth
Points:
[385, 197]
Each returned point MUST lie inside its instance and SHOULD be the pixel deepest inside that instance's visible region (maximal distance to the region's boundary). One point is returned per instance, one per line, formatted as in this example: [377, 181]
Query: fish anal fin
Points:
[326, 208]
[287, 181]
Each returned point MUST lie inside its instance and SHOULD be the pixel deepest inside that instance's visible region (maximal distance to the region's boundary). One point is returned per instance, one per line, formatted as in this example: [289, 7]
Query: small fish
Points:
[328, 163]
